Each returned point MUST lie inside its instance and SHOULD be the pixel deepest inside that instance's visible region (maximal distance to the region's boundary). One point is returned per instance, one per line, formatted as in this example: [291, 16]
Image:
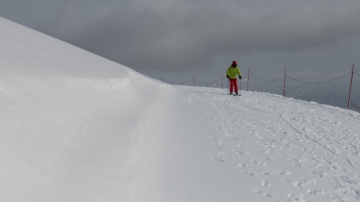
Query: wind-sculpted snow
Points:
[293, 150]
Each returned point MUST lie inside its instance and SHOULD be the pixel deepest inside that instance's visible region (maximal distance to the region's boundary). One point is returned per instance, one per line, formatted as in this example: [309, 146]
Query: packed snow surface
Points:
[78, 128]
[279, 148]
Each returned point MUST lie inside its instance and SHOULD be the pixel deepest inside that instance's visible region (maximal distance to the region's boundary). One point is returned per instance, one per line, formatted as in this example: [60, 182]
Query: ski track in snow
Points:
[307, 150]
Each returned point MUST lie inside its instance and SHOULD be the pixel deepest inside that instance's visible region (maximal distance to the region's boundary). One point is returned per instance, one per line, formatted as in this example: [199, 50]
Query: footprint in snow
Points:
[284, 173]
[316, 192]
[219, 159]
[263, 172]
[239, 153]
[263, 193]
[241, 165]
[265, 183]
[250, 173]
[296, 184]
[258, 162]
[266, 151]
[295, 197]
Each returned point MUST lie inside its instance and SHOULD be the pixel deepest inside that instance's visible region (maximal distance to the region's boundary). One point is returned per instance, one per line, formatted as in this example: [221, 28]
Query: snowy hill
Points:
[76, 127]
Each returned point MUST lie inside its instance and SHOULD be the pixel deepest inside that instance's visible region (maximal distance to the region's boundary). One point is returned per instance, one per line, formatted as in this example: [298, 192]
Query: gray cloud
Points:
[186, 34]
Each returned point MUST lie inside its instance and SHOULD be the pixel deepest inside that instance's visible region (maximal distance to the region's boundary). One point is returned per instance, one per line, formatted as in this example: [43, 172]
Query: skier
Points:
[231, 73]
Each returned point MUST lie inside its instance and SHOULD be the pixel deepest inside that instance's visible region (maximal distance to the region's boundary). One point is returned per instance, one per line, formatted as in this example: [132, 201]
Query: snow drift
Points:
[68, 119]
[77, 127]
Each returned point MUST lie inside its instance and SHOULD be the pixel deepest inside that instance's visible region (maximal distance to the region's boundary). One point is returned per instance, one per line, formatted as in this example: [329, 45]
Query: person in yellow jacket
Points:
[231, 74]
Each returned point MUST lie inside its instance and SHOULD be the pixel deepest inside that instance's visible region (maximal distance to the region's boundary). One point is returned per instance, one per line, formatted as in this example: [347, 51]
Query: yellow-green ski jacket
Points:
[233, 71]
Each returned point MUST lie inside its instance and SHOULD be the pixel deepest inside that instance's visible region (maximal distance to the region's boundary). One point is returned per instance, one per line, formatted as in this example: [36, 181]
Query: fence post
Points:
[222, 81]
[247, 87]
[194, 81]
[215, 85]
[284, 92]
[351, 81]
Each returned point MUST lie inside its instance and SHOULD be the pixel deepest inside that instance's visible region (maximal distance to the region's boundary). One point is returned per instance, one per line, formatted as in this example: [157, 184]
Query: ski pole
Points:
[240, 87]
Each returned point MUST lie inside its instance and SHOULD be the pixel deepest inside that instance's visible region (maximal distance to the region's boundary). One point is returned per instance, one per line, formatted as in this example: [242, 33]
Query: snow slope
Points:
[77, 127]
[283, 149]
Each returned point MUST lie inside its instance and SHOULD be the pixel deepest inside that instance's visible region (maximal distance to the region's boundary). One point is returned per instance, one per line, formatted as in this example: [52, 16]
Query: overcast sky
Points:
[202, 37]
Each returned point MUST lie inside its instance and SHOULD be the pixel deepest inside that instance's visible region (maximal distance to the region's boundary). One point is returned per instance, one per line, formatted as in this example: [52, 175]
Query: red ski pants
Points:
[233, 84]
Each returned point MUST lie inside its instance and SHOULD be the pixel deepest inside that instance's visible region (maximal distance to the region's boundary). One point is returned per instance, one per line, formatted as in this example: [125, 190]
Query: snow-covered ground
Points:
[282, 149]
[75, 127]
